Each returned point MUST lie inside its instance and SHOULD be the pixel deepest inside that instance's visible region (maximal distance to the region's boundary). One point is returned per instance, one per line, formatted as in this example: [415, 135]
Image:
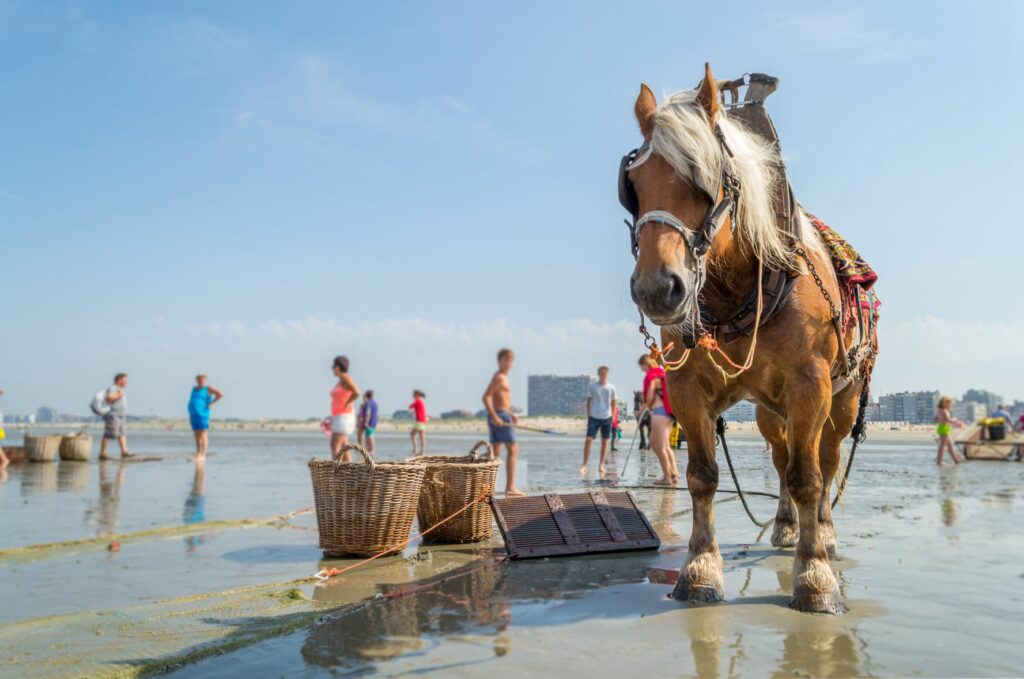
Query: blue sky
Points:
[248, 189]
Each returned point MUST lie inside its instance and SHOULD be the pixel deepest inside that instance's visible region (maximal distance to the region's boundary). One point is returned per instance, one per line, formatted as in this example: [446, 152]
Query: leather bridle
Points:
[724, 200]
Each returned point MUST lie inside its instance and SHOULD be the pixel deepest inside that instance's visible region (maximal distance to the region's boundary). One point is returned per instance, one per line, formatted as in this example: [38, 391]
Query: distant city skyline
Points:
[247, 190]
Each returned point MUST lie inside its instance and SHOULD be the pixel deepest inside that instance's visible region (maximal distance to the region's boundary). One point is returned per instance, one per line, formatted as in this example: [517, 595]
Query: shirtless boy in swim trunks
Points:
[500, 419]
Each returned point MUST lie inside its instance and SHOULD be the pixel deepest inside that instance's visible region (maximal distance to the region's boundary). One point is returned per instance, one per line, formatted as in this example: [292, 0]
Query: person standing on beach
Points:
[616, 427]
[3, 458]
[600, 400]
[113, 420]
[1002, 413]
[370, 412]
[501, 420]
[343, 416]
[944, 422]
[662, 419]
[419, 424]
[202, 397]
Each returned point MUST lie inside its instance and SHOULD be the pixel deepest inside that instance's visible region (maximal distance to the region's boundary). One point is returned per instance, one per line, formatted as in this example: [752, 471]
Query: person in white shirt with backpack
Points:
[111, 404]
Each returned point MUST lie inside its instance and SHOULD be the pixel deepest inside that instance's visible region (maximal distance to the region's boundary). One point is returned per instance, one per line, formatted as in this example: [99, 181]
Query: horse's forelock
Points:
[685, 139]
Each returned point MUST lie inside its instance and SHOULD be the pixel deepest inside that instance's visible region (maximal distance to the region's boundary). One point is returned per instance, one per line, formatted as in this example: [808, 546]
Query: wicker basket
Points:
[364, 508]
[76, 447]
[41, 448]
[449, 485]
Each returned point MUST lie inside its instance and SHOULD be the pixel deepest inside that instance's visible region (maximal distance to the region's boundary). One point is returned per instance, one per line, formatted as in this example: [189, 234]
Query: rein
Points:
[724, 206]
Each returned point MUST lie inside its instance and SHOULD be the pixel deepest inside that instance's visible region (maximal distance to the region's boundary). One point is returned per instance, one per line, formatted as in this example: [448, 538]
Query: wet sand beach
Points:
[213, 574]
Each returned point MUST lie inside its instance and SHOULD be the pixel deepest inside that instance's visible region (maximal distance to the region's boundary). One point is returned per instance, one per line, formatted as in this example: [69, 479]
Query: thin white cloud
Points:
[846, 32]
[418, 330]
[452, 361]
[316, 98]
[933, 353]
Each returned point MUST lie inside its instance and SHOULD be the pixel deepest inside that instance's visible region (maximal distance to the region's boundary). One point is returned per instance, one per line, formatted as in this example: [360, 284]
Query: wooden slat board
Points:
[579, 523]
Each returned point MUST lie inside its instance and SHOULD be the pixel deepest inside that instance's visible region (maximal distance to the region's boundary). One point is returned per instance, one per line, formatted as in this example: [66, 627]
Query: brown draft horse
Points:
[693, 160]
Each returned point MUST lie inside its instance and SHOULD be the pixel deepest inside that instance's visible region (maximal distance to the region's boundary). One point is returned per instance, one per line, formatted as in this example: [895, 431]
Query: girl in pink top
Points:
[662, 420]
[419, 425]
[343, 417]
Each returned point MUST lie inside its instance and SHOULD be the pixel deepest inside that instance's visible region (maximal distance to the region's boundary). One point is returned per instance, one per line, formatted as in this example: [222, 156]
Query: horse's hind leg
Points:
[773, 428]
[815, 589]
[837, 428]
[701, 578]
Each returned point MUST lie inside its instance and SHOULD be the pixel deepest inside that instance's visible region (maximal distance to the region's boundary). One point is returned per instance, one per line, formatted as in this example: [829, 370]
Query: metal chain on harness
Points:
[837, 324]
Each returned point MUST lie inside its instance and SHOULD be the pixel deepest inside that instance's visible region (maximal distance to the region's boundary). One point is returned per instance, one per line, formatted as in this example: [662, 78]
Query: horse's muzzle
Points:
[661, 295]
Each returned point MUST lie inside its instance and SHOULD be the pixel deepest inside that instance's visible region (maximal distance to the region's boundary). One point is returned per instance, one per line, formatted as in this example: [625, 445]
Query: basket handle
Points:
[476, 455]
[359, 449]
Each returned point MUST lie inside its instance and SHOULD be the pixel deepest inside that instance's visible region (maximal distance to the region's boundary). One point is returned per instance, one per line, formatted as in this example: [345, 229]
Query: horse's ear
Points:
[644, 108]
[707, 94]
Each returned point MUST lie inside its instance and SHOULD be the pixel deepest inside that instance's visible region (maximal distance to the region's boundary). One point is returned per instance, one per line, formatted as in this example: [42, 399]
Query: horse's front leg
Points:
[700, 578]
[815, 589]
[837, 427]
[773, 429]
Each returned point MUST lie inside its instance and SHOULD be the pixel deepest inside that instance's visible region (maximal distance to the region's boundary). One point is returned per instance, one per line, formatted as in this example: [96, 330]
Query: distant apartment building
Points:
[989, 399]
[915, 407]
[741, 412]
[925, 403]
[897, 407]
[557, 394]
[969, 411]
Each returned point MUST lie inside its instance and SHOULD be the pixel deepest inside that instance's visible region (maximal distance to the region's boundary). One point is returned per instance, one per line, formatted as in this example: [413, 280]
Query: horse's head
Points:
[679, 187]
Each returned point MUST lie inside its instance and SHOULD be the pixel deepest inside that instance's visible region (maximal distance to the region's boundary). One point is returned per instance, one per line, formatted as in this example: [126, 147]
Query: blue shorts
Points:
[501, 434]
[199, 423]
[594, 425]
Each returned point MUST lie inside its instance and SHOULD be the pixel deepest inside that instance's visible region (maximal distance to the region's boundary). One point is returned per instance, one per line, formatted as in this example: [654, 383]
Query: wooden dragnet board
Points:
[565, 524]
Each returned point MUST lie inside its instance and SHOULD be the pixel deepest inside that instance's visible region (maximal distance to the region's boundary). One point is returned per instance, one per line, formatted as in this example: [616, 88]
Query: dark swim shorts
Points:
[594, 425]
[501, 434]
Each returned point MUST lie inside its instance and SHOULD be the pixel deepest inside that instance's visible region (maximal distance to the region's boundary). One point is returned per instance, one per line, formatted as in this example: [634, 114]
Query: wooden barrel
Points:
[41, 448]
[76, 447]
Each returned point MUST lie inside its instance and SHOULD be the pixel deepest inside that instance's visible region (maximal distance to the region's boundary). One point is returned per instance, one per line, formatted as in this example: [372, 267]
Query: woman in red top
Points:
[343, 416]
[662, 420]
[419, 425]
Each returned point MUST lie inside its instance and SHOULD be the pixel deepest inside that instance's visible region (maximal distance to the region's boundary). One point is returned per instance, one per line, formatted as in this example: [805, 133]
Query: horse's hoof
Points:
[815, 589]
[697, 594]
[700, 580]
[785, 534]
[819, 602]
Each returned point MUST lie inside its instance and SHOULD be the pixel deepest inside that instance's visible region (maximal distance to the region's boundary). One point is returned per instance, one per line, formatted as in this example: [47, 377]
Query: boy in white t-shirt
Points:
[600, 400]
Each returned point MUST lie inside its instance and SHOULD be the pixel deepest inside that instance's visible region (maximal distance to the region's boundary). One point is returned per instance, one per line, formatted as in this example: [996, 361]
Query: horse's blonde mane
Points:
[685, 139]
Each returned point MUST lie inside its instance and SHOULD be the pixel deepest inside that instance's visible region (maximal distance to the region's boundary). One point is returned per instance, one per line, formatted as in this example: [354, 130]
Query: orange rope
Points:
[677, 363]
[480, 498]
[710, 344]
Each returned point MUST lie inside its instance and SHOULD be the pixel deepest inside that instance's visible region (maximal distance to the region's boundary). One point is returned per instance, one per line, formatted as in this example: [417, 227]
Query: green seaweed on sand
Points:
[49, 550]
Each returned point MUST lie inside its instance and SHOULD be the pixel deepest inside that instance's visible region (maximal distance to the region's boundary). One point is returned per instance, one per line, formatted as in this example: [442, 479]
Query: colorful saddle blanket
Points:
[856, 280]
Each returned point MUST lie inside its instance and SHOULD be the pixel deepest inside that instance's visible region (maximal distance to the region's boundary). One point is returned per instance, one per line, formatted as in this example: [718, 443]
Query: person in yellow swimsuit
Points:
[944, 423]
[3, 458]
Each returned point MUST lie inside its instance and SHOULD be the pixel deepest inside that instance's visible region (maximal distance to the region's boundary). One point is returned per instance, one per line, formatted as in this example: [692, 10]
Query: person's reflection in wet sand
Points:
[664, 518]
[195, 505]
[947, 506]
[105, 511]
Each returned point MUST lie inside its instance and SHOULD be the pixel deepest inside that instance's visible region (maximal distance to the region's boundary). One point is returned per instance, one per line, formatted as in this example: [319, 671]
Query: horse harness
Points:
[776, 285]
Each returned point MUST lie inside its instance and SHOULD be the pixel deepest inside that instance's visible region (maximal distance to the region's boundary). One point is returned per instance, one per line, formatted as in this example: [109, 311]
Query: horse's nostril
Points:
[676, 289]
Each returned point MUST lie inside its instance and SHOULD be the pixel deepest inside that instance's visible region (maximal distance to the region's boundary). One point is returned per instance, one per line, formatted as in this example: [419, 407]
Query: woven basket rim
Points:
[459, 461]
[320, 462]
